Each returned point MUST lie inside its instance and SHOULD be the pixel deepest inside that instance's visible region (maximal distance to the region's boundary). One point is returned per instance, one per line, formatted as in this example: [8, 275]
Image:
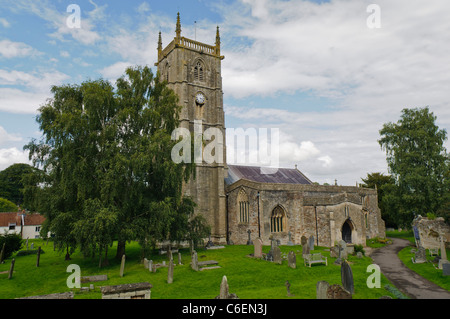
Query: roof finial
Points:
[217, 41]
[178, 29]
[159, 42]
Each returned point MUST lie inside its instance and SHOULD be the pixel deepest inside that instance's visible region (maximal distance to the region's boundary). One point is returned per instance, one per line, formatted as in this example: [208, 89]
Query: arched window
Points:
[244, 207]
[199, 72]
[277, 220]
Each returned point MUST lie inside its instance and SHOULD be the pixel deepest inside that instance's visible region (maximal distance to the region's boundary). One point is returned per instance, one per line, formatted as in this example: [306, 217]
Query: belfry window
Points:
[199, 72]
[277, 220]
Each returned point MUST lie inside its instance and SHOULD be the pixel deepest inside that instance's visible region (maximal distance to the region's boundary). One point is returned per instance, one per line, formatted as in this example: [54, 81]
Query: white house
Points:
[26, 224]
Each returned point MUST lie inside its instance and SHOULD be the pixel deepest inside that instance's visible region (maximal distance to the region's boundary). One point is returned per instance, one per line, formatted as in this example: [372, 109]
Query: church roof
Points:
[253, 173]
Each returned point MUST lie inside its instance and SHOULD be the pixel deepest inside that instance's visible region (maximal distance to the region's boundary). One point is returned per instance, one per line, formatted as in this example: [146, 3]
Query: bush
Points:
[13, 243]
[28, 252]
[359, 248]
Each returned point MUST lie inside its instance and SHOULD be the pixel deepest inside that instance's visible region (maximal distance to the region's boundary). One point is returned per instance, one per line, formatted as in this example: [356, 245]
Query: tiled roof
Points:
[258, 174]
[15, 218]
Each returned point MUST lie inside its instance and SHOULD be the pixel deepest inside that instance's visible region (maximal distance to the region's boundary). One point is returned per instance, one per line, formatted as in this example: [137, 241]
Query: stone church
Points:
[238, 201]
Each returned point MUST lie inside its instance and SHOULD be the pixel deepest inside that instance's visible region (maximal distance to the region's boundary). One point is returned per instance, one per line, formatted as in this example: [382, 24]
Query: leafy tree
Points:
[382, 183]
[13, 243]
[12, 181]
[7, 206]
[418, 162]
[106, 159]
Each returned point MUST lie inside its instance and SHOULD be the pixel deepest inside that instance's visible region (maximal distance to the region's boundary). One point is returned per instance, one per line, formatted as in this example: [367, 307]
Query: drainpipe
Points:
[259, 223]
[317, 230]
[226, 219]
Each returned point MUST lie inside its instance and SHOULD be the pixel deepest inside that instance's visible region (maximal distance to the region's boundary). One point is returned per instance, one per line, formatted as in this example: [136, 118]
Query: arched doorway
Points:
[347, 232]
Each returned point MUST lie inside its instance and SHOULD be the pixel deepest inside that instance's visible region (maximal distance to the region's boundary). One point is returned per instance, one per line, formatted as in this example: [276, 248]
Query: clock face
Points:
[200, 99]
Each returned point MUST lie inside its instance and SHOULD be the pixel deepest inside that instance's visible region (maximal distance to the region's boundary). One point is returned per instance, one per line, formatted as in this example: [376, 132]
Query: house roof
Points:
[15, 218]
[266, 175]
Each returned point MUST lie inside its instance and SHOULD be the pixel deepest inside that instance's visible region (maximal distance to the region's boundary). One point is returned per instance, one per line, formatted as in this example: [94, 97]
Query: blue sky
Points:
[313, 69]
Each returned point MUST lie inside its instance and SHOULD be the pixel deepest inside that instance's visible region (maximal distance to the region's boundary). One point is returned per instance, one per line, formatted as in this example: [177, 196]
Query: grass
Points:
[249, 278]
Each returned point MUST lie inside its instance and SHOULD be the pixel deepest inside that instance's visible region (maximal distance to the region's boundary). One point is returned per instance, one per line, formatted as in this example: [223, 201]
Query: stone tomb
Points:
[128, 291]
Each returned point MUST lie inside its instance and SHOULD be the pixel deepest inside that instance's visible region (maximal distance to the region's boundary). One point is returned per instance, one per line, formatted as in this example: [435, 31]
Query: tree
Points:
[7, 206]
[418, 162]
[12, 182]
[12, 242]
[382, 183]
[106, 159]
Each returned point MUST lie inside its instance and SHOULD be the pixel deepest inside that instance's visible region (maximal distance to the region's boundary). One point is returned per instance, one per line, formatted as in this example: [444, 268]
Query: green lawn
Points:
[247, 277]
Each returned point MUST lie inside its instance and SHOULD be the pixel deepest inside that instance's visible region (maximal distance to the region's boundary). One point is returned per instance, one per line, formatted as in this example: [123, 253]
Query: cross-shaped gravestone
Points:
[249, 242]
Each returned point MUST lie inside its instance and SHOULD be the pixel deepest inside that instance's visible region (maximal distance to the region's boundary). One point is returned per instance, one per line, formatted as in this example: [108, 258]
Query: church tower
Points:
[193, 70]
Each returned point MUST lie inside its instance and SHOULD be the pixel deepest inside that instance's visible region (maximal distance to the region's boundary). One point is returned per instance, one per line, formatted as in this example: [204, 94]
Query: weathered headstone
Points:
[321, 289]
[194, 262]
[420, 256]
[290, 243]
[311, 243]
[277, 255]
[145, 263]
[257, 245]
[292, 260]
[347, 277]
[337, 292]
[224, 289]
[179, 259]
[446, 269]
[288, 288]
[150, 265]
[11, 269]
[32, 246]
[169, 254]
[170, 272]
[27, 243]
[2, 254]
[305, 250]
[38, 256]
[249, 241]
[303, 241]
[122, 266]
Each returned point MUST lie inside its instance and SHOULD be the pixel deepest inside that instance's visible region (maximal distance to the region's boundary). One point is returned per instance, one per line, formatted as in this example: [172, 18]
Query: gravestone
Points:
[277, 255]
[420, 256]
[32, 246]
[347, 277]
[443, 251]
[150, 265]
[446, 269]
[249, 241]
[321, 289]
[288, 288]
[122, 266]
[169, 254]
[145, 263]
[38, 256]
[290, 243]
[224, 289]
[179, 259]
[27, 243]
[311, 243]
[2, 254]
[257, 245]
[305, 250]
[303, 241]
[292, 260]
[337, 292]
[170, 272]
[11, 269]
[194, 262]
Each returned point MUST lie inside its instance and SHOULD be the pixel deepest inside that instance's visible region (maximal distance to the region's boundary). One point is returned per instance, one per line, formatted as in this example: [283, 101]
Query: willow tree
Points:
[109, 150]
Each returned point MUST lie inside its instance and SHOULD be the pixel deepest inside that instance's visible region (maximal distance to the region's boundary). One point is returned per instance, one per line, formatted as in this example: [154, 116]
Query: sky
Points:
[327, 74]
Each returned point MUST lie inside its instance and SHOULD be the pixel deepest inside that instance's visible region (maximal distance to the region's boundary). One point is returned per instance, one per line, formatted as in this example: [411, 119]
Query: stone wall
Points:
[430, 231]
[315, 210]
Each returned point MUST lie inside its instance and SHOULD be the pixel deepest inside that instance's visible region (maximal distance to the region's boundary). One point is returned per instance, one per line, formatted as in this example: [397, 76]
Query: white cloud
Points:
[10, 156]
[114, 71]
[10, 49]
[4, 23]
[5, 137]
